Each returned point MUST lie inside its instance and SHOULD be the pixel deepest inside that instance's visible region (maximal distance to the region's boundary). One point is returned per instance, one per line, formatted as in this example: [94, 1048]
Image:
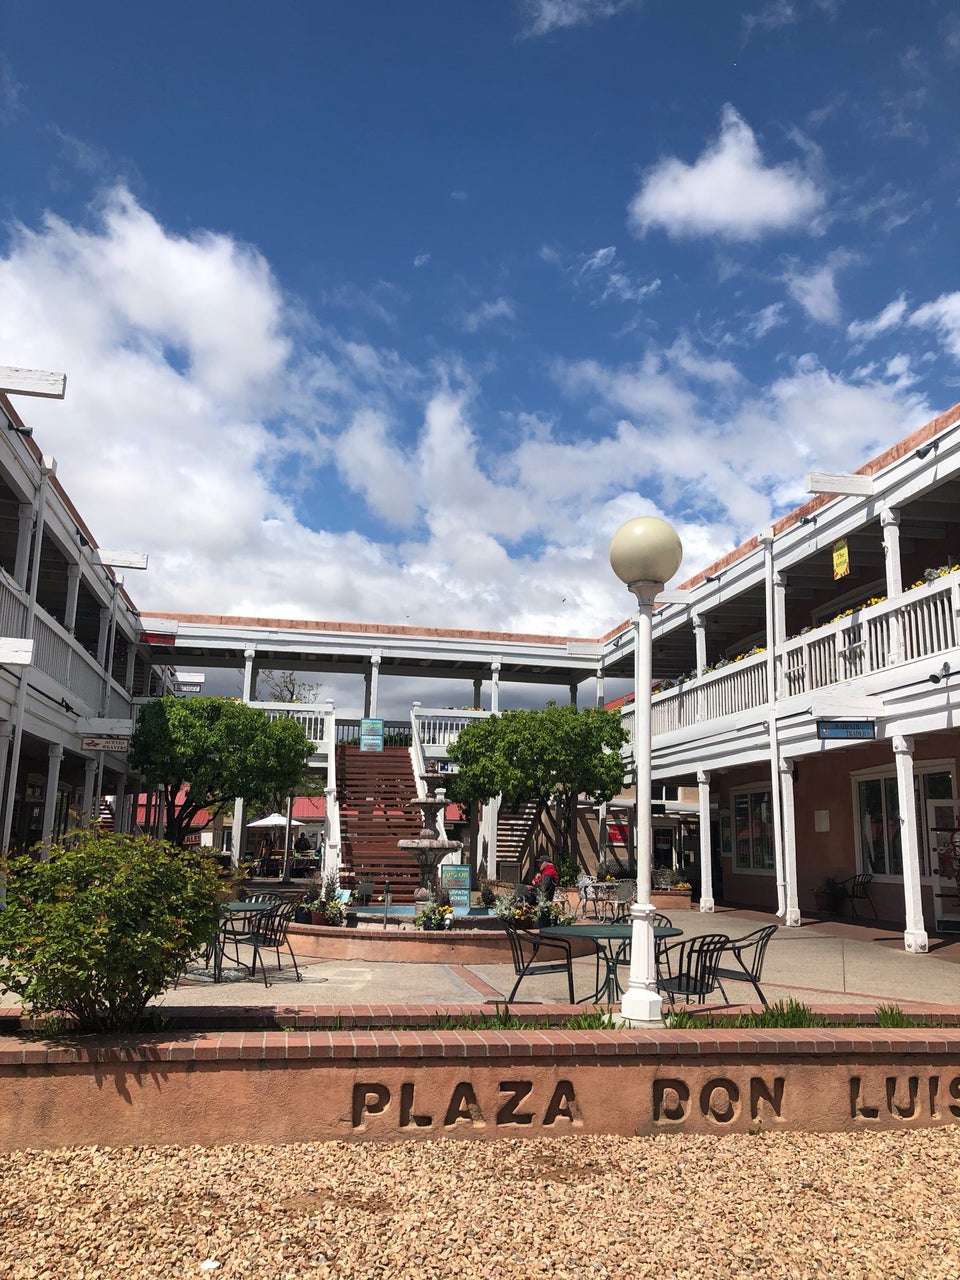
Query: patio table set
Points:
[259, 924]
[693, 968]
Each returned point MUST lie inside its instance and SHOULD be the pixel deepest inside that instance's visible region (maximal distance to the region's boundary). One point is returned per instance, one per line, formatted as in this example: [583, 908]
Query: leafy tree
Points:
[551, 756]
[286, 686]
[205, 752]
[103, 925]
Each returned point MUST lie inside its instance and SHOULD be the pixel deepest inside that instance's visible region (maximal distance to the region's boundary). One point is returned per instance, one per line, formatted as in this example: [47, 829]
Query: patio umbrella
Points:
[275, 820]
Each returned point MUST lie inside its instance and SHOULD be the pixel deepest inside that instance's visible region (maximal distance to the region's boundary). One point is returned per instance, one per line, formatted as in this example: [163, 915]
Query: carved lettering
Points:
[407, 1116]
[858, 1108]
[954, 1088]
[933, 1084]
[463, 1106]
[909, 1110]
[563, 1103]
[369, 1099]
[719, 1099]
[670, 1099]
[517, 1091]
[760, 1091]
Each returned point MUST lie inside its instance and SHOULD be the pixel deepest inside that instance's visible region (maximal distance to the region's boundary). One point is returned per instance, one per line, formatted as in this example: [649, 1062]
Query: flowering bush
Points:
[434, 915]
[531, 915]
[931, 575]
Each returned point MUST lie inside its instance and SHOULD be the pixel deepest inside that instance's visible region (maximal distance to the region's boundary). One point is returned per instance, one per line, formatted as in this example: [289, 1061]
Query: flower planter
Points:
[671, 899]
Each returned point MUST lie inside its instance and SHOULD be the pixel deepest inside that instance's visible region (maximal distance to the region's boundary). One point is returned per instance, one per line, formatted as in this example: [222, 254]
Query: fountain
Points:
[429, 848]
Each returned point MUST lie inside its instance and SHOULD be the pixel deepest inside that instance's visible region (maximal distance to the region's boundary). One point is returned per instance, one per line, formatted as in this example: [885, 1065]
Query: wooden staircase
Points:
[515, 835]
[375, 790]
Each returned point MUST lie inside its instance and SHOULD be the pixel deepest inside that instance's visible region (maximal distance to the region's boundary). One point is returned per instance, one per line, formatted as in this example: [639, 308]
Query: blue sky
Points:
[395, 312]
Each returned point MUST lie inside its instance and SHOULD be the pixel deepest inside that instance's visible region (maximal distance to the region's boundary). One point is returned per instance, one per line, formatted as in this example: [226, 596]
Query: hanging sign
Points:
[841, 559]
[371, 735]
[846, 729]
[110, 743]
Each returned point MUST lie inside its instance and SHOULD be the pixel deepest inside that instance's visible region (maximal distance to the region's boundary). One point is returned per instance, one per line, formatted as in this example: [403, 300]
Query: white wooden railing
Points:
[921, 623]
[439, 726]
[312, 718]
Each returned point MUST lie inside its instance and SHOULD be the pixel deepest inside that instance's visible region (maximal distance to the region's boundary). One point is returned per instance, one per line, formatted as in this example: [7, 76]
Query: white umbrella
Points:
[275, 820]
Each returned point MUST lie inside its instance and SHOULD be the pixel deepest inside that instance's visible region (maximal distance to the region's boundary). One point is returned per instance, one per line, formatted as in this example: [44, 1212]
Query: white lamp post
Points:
[644, 553]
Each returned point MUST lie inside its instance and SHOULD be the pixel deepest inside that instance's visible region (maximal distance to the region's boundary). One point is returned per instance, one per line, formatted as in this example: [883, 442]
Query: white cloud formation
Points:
[891, 317]
[816, 290]
[544, 16]
[727, 192]
[942, 315]
[488, 313]
[272, 469]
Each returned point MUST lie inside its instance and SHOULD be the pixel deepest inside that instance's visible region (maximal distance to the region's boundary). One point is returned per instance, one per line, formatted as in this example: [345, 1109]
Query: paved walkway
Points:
[822, 963]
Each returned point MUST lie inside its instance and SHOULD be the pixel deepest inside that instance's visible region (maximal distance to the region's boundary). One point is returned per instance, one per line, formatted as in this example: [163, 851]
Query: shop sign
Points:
[371, 735]
[846, 729]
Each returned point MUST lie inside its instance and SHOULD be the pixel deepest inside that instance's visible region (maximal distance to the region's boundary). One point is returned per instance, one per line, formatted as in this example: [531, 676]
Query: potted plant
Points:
[828, 895]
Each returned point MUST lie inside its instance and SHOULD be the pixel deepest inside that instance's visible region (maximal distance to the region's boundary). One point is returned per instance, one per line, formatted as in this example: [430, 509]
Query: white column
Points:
[373, 686]
[495, 687]
[700, 640]
[707, 903]
[102, 636]
[131, 666]
[73, 592]
[24, 530]
[249, 683]
[915, 934]
[792, 912]
[237, 833]
[599, 686]
[54, 760]
[890, 523]
[89, 778]
[641, 1000]
[779, 607]
[771, 668]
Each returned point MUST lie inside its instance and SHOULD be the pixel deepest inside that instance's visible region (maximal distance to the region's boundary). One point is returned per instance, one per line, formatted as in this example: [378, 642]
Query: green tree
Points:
[551, 756]
[206, 752]
[103, 925]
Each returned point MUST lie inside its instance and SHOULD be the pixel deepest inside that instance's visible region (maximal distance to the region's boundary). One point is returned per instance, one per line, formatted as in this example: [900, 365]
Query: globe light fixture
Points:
[645, 553]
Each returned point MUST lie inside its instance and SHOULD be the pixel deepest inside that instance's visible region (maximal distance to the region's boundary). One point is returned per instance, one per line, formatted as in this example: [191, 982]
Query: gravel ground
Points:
[857, 1206]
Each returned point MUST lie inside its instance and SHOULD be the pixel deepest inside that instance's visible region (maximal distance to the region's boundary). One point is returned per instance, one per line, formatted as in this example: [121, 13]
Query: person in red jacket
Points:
[545, 881]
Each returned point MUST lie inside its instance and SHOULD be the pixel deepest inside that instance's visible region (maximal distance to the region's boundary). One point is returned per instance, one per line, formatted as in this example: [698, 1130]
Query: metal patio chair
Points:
[749, 952]
[689, 968]
[857, 889]
[525, 947]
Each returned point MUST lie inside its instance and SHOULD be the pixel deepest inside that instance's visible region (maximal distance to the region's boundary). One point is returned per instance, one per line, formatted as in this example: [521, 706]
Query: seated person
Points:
[545, 881]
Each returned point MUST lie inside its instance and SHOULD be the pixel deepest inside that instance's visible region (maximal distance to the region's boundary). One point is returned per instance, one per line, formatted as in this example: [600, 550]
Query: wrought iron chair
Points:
[749, 952]
[624, 894]
[270, 932]
[689, 968]
[525, 947]
[857, 889]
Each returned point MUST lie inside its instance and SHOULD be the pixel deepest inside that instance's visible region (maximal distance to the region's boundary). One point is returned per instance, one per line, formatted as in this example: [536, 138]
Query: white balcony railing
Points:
[919, 624]
[439, 726]
[313, 719]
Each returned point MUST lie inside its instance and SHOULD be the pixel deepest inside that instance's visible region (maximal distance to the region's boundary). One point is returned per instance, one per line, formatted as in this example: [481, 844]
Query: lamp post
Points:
[644, 553]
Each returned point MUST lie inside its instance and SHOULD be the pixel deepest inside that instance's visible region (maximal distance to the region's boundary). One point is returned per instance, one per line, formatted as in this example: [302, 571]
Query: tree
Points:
[551, 756]
[286, 686]
[205, 752]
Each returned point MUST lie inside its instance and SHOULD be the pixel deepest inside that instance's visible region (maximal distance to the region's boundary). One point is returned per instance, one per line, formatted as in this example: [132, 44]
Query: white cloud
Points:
[544, 16]
[891, 317]
[766, 319]
[942, 315]
[728, 191]
[272, 469]
[487, 313]
[816, 291]
[421, 259]
[602, 275]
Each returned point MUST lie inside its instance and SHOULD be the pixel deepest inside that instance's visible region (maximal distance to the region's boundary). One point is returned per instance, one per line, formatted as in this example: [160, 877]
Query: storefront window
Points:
[753, 830]
[878, 809]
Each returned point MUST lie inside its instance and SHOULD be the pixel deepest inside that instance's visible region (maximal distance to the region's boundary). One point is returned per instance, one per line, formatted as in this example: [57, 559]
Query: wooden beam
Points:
[33, 382]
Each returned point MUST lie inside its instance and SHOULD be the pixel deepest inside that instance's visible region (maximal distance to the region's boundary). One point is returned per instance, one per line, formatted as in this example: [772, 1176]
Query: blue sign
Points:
[846, 729]
[371, 735]
[456, 881]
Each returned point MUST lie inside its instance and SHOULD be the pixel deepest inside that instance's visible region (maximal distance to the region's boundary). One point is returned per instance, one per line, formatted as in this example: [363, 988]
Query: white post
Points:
[73, 592]
[645, 553]
[599, 702]
[54, 760]
[915, 934]
[706, 851]
[495, 687]
[890, 523]
[89, 777]
[641, 1000]
[792, 912]
[771, 668]
[373, 688]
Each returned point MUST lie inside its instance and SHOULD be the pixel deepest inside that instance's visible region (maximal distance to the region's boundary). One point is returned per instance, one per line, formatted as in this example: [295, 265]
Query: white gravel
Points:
[805, 1206]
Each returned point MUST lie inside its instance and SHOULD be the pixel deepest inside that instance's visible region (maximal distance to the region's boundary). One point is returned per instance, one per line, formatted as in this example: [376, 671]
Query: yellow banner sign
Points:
[841, 559]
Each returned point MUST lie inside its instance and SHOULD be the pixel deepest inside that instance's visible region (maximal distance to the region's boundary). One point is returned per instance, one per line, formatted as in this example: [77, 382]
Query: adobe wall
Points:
[314, 1086]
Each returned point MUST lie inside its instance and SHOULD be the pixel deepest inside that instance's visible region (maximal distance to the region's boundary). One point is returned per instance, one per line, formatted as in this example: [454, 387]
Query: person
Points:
[545, 881]
[301, 845]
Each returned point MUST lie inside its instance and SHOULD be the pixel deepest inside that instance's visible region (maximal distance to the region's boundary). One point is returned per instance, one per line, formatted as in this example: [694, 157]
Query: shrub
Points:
[103, 925]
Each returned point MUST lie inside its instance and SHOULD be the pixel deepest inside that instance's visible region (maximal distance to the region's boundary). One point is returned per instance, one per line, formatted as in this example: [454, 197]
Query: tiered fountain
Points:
[429, 848]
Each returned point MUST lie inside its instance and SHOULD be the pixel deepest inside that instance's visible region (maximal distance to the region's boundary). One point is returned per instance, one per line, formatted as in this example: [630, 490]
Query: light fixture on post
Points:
[644, 553]
[926, 449]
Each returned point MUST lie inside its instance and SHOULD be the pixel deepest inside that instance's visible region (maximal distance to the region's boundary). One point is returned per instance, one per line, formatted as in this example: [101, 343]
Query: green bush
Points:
[104, 925]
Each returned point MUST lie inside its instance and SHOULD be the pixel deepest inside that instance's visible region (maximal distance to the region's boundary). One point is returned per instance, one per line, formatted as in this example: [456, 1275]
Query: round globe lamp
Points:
[645, 553]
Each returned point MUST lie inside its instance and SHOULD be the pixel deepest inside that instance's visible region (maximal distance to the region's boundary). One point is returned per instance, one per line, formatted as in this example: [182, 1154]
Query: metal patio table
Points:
[611, 942]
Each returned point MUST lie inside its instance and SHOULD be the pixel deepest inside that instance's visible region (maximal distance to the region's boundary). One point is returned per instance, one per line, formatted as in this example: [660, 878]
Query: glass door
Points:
[943, 824]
